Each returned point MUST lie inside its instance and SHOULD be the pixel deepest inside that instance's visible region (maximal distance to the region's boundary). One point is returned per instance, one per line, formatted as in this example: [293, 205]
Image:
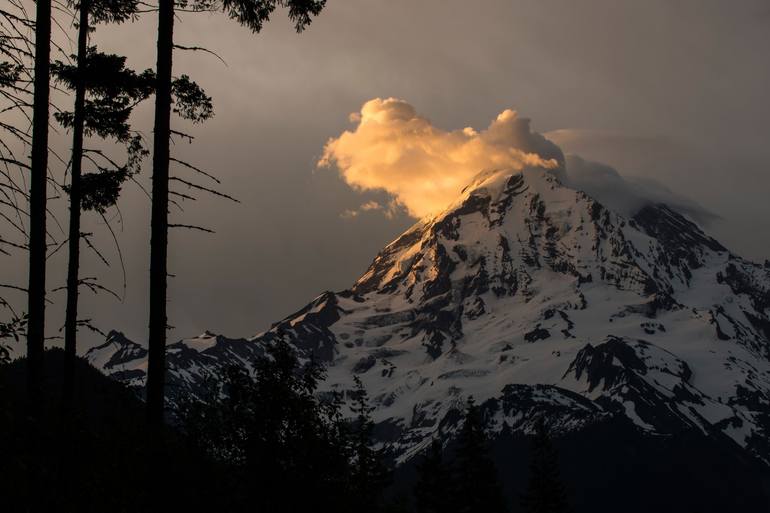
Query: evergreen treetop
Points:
[476, 483]
[434, 480]
[545, 491]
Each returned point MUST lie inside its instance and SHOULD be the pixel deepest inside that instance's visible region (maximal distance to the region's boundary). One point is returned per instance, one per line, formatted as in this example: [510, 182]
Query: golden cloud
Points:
[424, 167]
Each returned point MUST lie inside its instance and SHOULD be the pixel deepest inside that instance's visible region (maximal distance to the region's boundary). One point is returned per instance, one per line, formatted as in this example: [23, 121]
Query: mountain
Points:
[537, 300]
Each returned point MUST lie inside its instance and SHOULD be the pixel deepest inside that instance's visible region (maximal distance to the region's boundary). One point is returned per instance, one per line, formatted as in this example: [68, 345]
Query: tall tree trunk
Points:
[73, 279]
[37, 201]
[159, 223]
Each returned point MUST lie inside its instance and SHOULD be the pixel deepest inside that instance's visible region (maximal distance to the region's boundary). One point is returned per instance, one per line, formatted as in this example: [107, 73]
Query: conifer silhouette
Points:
[14, 329]
[434, 480]
[276, 435]
[252, 14]
[105, 95]
[545, 491]
[475, 476]
[16, 50]
[38, 182]
[369, 474]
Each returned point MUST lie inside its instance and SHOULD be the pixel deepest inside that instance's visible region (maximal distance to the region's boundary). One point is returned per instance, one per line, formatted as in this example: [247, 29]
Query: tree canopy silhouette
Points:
[38, 180]
[276, 436]
[105, 94]
[476, 485]
[13, 329]
[434, 480]
[545, 491]
[369, 474]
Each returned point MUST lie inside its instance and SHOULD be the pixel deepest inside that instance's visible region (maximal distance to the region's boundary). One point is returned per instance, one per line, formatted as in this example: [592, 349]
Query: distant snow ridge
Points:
[538, 301]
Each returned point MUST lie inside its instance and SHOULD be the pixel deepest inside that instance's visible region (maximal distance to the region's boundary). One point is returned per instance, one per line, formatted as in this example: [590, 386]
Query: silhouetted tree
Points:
[369, 476]
[476, 484]
[253, 14]
[105, 95]
[38, 180]
[110, 468]
[13, 329]
[434, 481]
[286, 449]
[16, 54]
[545, 491]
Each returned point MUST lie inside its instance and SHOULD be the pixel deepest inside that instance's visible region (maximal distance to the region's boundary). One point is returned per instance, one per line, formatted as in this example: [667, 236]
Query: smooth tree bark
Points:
[159, 222]
[73, 265]
[37, 200]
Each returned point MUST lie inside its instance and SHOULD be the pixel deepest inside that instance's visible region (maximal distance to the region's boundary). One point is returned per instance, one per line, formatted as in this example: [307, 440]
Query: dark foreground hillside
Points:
[612, 467]
[99, 457]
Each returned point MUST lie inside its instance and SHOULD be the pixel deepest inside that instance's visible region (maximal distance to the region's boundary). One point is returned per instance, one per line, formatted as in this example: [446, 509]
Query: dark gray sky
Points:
[674, 91]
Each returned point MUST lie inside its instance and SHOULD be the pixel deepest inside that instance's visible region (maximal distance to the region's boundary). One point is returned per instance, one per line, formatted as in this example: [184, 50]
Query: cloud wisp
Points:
[389, 210]
[626, 195]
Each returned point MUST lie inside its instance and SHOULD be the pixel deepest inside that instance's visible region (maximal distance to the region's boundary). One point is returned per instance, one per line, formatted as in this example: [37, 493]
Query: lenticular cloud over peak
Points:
[423, 167]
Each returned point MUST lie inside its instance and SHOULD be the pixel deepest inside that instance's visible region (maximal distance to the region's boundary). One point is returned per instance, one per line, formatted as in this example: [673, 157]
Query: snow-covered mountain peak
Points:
[536, 299]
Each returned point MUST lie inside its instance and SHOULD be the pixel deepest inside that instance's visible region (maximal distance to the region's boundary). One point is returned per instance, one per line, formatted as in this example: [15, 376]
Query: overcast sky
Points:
[674, 91]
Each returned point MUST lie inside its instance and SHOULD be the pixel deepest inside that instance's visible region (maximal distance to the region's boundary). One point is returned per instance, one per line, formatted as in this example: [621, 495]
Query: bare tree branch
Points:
[191, 227]
[205, 189]
[199, 49]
